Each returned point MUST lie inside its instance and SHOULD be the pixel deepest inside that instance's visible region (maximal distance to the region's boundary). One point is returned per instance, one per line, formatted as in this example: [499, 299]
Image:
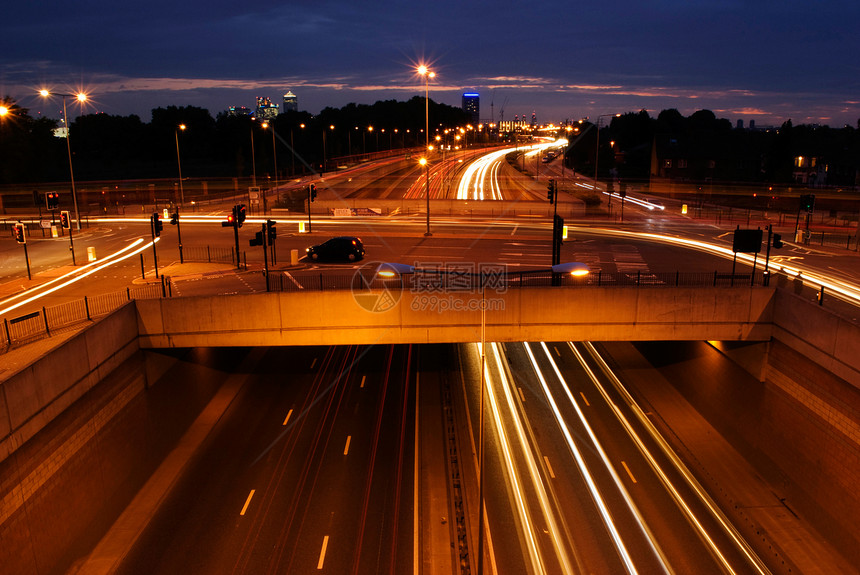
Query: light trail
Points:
[69, 274]
[679, 466]
[531, 544]
[596, 496]
[643, 526]
[471, 186]
[633, 200]
[81, 276]
[844, 290]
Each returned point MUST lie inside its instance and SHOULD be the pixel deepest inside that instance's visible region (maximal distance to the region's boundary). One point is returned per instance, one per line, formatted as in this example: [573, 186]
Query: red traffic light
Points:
[18, 233]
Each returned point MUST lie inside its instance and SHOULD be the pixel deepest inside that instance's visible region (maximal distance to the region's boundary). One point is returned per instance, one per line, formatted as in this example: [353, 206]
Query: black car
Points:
[339, 248]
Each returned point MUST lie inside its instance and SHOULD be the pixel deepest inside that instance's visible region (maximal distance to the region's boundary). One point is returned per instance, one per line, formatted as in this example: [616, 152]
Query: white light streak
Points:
[69, 274]
[691, 481]
[81, 276]
[583, 467]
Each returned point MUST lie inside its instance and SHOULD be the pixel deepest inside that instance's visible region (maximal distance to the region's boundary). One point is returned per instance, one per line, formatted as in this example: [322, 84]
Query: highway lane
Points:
[573, 487]
[309, 469]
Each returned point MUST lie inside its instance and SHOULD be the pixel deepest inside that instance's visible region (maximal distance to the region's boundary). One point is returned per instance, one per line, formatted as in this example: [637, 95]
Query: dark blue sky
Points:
[759, 60]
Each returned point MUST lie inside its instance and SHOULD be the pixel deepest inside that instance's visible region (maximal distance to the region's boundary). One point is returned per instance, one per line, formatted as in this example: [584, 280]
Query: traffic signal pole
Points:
[72, 246]
[175, 220]
[154, 253]
[236, 237]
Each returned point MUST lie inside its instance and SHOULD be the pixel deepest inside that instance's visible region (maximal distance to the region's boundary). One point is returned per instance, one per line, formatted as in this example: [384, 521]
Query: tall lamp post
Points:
[274, 158]
[253, 159]
[424, 71]
[393, 270]
[331, 127]
[179, 164]
[597, 147]
[80, 97]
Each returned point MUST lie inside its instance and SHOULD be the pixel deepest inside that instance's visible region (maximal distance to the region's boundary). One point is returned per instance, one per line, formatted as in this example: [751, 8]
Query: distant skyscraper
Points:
[238, 111]
[291, 102]
[266, 110]
[472, 106]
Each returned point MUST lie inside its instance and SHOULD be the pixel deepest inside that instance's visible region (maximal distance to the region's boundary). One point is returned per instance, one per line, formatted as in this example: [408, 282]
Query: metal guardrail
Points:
[42, 323]
[209, 254]
[845, 241]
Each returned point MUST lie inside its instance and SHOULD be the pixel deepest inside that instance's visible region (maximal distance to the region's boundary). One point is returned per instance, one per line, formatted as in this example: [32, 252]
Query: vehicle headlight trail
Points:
[79, 277]
[691, 481]
[611, 468]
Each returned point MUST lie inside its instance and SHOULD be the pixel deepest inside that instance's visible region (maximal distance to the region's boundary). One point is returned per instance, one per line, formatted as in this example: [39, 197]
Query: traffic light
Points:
[174, 219]
[240, 214]
[52, 200]
[18, 232]
[777, 241]
[807, 203]
[157, 226]
[258, 239]
[271, 231]
[550, 190]
[65, 223]
[313, 192]
[231, 219]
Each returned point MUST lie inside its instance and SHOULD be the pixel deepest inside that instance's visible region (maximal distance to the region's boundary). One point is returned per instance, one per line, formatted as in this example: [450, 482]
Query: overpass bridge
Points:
[799, 349]
[382, 316]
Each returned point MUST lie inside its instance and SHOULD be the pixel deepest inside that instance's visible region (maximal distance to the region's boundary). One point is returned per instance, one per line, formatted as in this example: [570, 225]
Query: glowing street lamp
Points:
[424, 164]
[331, 127]
[274, 153]
[424, 71]
[80, 97]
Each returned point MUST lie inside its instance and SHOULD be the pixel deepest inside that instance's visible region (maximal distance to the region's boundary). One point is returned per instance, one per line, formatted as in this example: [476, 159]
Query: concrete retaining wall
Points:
[819, 335]
[33, 397]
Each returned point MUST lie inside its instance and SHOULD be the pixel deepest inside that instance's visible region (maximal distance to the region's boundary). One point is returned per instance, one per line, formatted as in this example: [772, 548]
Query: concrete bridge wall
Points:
[526, 314]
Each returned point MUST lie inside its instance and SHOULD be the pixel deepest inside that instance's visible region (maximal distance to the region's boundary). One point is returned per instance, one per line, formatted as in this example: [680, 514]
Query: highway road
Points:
[366, 460]
[310, 468]
[579, 482]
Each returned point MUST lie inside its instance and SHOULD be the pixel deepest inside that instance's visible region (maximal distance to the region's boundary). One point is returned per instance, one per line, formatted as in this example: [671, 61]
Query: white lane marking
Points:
[247, 502]
[548, 466]
[322, 553]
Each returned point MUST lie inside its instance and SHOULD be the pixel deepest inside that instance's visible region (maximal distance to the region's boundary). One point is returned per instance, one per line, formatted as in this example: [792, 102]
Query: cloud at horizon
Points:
[768, 62]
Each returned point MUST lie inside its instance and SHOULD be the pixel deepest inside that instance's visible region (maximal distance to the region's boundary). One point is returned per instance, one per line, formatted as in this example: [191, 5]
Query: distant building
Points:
[291, 102]
[472, 106]
[266, 110]
[740, 124]
[238, 111]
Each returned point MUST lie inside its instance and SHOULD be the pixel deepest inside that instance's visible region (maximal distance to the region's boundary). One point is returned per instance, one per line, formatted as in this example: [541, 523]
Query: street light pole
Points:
[179, 165]
[597, 148]
[275, 157]
[254, 161]
[424, 71]
[81, 97]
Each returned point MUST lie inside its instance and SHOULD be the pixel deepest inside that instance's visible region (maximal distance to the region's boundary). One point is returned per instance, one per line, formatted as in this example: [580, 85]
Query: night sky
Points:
[762, 60]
